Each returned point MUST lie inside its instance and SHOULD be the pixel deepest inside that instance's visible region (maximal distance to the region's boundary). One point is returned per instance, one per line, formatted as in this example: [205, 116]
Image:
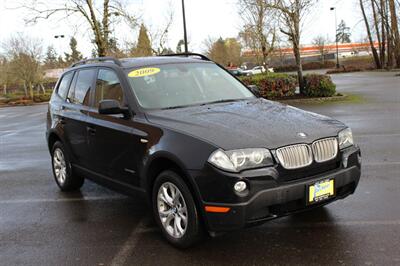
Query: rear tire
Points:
[62, 170]
[175, 210]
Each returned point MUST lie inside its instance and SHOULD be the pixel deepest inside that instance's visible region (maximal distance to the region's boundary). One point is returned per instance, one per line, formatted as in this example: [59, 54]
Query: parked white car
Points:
[258, 70]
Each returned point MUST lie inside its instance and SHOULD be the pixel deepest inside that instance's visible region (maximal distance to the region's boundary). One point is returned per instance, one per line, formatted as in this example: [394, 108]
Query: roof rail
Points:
[98, 59]
[203, 57]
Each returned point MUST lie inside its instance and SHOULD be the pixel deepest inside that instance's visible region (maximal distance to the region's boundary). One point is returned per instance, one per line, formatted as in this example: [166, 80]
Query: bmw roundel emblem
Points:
[302, 135]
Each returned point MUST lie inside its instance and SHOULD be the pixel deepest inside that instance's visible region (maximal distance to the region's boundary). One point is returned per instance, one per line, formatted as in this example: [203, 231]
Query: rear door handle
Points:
[62, 120]
[91, 130]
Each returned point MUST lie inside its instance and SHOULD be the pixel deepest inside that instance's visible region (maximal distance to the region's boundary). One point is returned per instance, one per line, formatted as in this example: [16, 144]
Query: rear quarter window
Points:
[64, 84]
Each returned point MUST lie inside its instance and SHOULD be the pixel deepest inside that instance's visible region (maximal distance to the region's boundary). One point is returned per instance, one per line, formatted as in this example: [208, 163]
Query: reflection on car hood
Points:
[248, 124]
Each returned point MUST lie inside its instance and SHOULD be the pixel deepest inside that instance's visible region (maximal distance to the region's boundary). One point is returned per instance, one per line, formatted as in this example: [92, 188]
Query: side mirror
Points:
[112, 107]
[255, 90]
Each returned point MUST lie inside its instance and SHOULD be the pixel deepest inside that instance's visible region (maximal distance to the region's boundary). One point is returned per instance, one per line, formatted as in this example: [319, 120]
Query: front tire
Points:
[62, 170]
[175, 210]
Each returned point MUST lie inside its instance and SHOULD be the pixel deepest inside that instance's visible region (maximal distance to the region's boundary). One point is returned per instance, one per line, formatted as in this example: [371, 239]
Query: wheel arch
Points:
[163, 162]
[52, 138]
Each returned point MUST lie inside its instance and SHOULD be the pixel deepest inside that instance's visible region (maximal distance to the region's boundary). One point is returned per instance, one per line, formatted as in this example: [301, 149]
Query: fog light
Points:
[359, 158]
[240, 186]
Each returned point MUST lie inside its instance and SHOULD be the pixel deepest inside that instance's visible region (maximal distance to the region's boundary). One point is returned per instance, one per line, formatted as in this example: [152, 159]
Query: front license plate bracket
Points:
[320, 191]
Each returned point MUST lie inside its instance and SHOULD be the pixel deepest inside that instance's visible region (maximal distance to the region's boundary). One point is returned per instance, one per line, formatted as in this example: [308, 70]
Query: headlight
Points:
[237, 160]
[345, 138]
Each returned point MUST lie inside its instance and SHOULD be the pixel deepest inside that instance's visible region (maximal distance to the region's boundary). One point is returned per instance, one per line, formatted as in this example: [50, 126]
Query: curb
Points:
[22, 105]
[314, 99]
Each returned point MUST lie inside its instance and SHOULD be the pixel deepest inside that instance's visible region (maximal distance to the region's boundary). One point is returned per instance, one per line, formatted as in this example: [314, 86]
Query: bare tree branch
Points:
[291, 14]
[259, 29]
[99, 19]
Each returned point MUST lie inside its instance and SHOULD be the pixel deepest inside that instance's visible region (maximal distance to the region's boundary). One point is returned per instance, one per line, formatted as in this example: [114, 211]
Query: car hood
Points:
[254, 123]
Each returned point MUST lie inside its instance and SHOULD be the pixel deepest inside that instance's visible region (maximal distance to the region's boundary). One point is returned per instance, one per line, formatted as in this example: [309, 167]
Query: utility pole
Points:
[184, 27]
[336, 37]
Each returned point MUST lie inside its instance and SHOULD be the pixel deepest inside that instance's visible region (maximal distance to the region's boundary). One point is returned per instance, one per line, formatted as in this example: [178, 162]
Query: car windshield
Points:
[178, 85]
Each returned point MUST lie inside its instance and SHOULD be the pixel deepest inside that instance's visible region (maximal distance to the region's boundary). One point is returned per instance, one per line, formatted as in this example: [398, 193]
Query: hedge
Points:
[16, 98]
[318, 86]
[273, 85]
[306, 66]
[42, 97]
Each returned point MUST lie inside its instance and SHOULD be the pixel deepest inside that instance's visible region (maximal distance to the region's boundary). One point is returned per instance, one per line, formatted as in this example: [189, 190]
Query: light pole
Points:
[336, 37]
[184, 27]
[61, 36]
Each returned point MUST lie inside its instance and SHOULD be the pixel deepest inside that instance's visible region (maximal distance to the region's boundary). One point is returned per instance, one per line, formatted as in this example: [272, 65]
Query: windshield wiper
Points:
[201, 104]
[176, 107]
[221, 101]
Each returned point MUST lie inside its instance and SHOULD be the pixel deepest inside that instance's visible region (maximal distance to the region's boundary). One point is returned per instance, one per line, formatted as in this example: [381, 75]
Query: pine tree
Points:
[114, 49]
[75, 55]
[60, 62]
[219, 52]
[233, 49]
[343, 33]
[50, 60]
[143, 47]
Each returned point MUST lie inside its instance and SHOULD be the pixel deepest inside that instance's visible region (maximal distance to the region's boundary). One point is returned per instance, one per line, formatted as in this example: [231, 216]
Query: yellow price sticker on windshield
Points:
[142, 72]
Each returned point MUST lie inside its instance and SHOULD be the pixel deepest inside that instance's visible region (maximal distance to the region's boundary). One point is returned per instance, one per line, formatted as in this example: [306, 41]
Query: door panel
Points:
[114, 140]
[74, 115]
[116, 147]
[74, 121]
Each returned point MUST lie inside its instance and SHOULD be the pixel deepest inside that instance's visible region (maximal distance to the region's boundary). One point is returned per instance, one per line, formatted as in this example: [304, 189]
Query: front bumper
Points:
[283, 198]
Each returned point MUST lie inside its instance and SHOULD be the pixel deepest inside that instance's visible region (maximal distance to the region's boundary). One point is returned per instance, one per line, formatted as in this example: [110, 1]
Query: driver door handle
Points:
[91, 130]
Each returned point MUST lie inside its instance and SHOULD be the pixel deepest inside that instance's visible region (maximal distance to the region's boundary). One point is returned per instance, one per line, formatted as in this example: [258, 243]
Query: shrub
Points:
[347, 69]
[362, 62]
[318, 86]
[14, 95]
[273, 85]
[306, 66]
[285, 68]
[42, 98]
[20, 98]
[4, 101]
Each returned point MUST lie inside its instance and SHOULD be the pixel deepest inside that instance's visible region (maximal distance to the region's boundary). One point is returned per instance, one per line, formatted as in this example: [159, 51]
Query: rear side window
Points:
[80, 94]
[108, 87]
[64, 85]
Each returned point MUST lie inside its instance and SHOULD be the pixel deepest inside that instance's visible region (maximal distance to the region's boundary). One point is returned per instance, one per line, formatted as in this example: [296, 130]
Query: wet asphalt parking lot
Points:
[41, 226]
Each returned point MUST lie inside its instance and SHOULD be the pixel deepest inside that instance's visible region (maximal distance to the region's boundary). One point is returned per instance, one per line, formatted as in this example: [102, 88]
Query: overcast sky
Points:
[205, 18]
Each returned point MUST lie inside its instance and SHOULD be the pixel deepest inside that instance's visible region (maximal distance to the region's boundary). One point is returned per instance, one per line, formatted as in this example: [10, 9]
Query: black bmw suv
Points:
[201, 146]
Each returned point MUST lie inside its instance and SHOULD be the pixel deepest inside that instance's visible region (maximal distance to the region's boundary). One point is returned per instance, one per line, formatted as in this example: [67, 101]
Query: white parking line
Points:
[7, 133]
[121, 257]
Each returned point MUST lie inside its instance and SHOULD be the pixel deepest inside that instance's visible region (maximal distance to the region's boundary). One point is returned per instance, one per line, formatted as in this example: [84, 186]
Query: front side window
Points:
[64, 85]
[80, 94]
[108, 87]
[177, 85]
